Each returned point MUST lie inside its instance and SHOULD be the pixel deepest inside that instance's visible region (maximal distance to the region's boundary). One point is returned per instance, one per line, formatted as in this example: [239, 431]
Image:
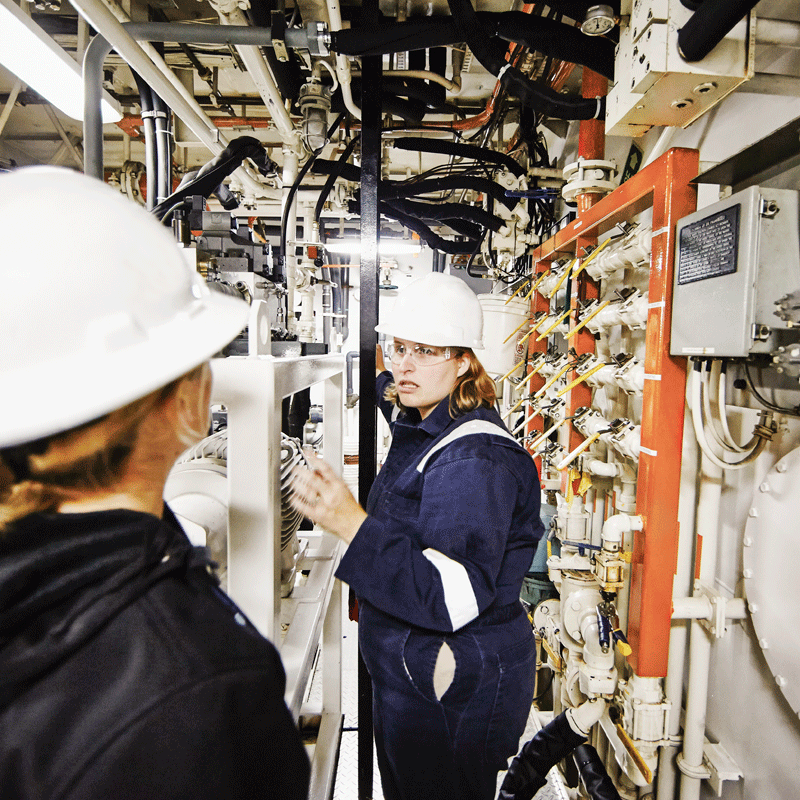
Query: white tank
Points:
[500, 319]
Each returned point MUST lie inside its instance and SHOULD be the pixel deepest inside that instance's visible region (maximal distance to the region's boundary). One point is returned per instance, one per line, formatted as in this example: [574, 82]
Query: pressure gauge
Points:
[599, 20]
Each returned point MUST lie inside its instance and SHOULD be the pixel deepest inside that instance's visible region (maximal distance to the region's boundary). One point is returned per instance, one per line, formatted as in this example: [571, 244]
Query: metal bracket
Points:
[721, 765]
[716, 624]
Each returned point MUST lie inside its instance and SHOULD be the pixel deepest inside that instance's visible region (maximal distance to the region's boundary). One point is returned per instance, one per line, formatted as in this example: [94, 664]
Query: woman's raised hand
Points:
[323, 497]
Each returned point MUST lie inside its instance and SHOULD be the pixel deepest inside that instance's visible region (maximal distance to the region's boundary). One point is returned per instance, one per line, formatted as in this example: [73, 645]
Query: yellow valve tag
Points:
[585, 484]
[572, 476]
[623, 648]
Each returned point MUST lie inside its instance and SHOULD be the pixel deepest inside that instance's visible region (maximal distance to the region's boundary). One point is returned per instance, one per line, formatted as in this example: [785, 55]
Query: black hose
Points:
[148, 123]
[593, 774]
[491, 51]
[527, 773]
[557, 40]
[211, 174]
[293, 191]
[420, 143]
[401, 37]
[709, 25]
[549, 37]
[433, 240]
[392, 189]
[439, 212]
[334, 174]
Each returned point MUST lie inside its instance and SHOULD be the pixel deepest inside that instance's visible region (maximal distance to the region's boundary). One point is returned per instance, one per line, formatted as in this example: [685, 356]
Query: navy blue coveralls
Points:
[452, 528]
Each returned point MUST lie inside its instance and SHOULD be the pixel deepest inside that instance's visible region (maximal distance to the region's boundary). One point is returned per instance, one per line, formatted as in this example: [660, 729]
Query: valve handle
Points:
[621, 642]
[604, 630]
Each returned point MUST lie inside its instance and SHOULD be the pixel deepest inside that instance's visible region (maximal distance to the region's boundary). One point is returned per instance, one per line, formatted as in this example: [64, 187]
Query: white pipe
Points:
[780, 32]
[679, 629]
[423, 75]
[661, 146]
[263, 79]
[614, 527]
[107, 19]
[342, 64]
[690, 761]
[700, 607]
[290, 169]
[9, 106]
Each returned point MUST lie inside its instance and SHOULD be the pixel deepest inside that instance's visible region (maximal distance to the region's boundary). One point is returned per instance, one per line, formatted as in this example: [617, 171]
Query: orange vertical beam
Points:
[655, 551]
[664, 186]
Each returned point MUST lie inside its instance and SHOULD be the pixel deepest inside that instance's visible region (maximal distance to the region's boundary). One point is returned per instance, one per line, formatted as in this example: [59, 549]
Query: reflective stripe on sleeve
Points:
[462, 606]
[467, 429]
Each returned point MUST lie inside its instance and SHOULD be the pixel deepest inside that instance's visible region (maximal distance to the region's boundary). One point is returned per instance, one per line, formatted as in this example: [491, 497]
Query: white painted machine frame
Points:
[252, 389]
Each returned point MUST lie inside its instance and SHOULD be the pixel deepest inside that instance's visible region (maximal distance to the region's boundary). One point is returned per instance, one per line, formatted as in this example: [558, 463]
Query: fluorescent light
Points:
[28, 52]
[386, 247]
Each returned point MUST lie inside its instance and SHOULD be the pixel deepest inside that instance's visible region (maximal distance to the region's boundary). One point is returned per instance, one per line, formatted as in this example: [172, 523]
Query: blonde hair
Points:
[38, 476]
[474, 389]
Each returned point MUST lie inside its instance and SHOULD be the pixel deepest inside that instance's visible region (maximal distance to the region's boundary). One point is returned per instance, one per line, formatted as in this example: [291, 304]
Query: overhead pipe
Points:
[342, 64]
[231, 15]
[551, 38]
[122, 38]
[148, 124]
[709, 25]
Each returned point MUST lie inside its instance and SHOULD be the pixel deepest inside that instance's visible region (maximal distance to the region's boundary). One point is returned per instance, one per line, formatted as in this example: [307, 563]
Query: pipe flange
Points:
[589, 176]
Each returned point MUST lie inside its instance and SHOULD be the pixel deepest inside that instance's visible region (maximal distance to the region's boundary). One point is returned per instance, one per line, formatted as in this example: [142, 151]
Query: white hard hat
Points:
[436, 309]
[98, 306]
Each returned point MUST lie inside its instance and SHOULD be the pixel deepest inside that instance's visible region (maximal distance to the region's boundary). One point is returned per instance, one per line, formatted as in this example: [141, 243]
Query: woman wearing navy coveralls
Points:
[437, 560]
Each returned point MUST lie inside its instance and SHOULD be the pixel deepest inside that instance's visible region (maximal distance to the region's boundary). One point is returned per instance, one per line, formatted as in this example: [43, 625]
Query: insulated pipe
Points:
[690, 761]
[124, 42]
[709, 25]
[491, 55]
[551, 38]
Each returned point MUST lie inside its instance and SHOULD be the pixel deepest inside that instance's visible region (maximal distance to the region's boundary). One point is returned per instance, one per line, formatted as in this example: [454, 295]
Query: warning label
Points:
[708, 248]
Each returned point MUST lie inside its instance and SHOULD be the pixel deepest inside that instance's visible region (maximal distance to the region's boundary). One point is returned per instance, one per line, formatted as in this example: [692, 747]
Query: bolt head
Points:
[781, 681]
[764, 487]
[763, 644]
[782, 467]
[753, 512]
[747, 541]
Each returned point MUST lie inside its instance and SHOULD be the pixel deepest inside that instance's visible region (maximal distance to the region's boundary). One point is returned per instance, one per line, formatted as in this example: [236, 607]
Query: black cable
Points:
[293, 191]
[794, 412]
[334, 175]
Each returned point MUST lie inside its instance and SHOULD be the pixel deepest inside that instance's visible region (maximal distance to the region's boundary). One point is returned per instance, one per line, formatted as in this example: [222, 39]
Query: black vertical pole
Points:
[367, 437]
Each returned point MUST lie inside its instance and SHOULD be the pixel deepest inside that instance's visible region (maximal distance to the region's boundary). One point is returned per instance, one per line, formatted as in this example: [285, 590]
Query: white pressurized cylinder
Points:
[500, 319]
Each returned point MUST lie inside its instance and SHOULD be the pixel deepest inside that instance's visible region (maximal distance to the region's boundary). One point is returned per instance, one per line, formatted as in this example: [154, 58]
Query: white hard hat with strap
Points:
[98, 304]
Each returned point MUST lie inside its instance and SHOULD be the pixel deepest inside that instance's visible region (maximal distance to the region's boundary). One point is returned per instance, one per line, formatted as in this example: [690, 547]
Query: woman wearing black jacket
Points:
[124, 671]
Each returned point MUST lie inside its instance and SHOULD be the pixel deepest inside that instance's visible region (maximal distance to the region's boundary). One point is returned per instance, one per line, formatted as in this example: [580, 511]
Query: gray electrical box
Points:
[733, 261]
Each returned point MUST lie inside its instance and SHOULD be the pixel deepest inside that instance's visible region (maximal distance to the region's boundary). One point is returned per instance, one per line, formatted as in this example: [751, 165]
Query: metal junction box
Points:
[655, 86]
[734, 260]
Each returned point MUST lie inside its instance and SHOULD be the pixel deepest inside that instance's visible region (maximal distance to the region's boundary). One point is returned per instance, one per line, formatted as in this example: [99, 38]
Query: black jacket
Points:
[126, 673]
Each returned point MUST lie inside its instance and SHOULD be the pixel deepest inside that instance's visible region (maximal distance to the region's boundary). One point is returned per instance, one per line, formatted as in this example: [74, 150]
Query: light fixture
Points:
[33, 56]
[386, 247]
